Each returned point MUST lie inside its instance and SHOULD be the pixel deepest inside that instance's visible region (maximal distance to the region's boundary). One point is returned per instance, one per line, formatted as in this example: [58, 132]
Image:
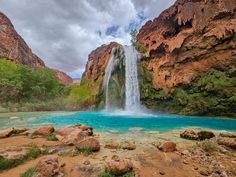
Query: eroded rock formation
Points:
[189, 38]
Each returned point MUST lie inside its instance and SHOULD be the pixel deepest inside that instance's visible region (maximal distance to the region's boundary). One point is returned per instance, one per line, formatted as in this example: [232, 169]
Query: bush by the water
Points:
[212, 93]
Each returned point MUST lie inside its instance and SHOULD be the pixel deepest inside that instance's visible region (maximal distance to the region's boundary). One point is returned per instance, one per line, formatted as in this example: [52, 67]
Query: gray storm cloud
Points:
[63, 32]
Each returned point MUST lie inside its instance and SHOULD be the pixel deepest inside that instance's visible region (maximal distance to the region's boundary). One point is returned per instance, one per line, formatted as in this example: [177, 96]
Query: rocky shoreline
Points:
[78, 151]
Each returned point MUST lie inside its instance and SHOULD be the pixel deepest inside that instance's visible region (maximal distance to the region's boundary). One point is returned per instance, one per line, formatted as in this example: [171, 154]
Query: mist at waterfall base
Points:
[132, 105]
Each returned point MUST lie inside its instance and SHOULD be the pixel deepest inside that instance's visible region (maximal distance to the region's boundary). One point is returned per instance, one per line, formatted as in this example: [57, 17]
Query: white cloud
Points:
[63, 32]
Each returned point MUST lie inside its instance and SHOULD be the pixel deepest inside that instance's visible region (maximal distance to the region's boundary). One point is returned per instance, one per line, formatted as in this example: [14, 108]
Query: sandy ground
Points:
[147, 159]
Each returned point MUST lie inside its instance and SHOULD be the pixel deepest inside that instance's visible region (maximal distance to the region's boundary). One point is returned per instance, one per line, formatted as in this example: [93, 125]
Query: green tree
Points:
[133, 33]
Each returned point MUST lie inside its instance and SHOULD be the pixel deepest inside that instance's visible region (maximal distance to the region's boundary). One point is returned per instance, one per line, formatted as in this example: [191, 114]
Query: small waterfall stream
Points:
[107, 77]
[132, 93]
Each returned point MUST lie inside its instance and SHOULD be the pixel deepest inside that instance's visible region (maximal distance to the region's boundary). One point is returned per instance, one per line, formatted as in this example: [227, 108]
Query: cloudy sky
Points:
[64, 32]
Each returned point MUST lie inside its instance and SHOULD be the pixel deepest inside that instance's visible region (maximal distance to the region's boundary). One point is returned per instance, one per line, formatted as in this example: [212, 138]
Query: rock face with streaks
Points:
[189, 38]
[14, 48]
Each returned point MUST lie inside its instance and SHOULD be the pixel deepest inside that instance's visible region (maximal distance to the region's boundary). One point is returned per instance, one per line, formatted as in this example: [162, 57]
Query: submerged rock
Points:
[167, 146]
[202, 135]
[189, 134]
[45, 130]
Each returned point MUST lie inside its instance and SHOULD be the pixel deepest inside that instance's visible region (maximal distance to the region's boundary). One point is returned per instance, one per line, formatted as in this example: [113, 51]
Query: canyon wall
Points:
[92, 79]
[14, 48]
[189, 48]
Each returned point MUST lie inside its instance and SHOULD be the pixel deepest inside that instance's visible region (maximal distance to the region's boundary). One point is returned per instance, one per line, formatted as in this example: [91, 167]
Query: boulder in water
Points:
[202, 135]
[189, 134]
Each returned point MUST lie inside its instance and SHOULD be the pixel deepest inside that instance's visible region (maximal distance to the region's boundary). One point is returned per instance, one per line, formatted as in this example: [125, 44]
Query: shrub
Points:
[107, 173]
[29, 172]
[51, 137]
[32, 153]
[209, 146]
[85, 151]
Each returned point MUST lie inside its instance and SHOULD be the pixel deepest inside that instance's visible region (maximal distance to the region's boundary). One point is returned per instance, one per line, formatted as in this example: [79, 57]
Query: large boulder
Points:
[202, 135]
[167, 146]
[119, 166]
[229, 142]
[47, 167]
[189, 134]
[45, 130]
[70, 135]
[89, 143]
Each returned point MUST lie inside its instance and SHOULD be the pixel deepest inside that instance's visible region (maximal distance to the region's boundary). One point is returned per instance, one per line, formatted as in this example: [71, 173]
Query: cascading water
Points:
[107, 77]
[132, 93]
[121, 79]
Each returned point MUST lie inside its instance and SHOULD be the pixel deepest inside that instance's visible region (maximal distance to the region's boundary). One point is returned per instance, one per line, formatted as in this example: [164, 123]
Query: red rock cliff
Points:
[14, 48]
[97, 60]
[189, 38]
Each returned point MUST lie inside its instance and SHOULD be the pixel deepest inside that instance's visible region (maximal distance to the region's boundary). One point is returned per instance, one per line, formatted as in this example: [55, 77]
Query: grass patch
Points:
[51, 137]
[32, 153]
[29, 172]
[233, 172]
[209, 146]
[107, 173]
[85, 151]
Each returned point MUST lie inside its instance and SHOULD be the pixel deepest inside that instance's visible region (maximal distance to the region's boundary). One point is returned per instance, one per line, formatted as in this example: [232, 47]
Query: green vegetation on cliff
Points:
[212, 93]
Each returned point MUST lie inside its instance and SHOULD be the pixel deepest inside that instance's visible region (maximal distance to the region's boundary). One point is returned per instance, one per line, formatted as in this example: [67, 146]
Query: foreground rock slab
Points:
[229, 142]
[119, 166]
[89, 143]
[47, 167]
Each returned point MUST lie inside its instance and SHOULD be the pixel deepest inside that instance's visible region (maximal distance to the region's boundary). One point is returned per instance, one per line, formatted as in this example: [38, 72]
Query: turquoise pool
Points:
[120, 121]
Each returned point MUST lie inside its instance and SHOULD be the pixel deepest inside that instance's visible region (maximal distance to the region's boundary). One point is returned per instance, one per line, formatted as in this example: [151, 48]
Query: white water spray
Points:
[132, 93]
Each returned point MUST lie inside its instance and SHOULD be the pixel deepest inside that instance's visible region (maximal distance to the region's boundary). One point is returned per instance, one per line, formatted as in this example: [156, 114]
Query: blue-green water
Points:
[116, 122]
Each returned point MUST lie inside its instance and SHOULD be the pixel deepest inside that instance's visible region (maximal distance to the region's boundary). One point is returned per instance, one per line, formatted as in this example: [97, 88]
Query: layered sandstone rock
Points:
[93, 76]
[63, 77]
[14, 48]
[97, 61]
[188, 39]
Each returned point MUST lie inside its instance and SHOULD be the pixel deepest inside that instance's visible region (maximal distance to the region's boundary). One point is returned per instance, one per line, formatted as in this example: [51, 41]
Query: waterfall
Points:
[132, 93]
[128, 56]
[107, 77]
